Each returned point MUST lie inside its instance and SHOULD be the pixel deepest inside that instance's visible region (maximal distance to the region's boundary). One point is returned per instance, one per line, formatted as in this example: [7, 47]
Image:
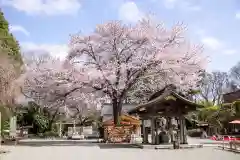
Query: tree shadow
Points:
[117, 145]
[53, 143]
[74, 143]
[227, 150]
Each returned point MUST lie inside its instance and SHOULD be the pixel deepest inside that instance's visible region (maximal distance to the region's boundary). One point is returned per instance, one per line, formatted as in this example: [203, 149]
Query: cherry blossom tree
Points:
[8, 75]
[116, 58]
[84, 113]
[57, 86]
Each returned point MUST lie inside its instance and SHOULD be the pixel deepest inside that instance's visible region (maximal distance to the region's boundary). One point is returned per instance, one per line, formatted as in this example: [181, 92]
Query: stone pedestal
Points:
[13, 127]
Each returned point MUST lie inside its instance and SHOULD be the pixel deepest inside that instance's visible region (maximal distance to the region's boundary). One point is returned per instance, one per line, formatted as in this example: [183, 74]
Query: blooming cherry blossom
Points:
[113, 62]
[117, 57]
[54, 84]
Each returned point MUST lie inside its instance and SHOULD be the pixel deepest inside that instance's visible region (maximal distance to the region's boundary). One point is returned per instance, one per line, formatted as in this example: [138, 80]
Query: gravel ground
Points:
[95, 153]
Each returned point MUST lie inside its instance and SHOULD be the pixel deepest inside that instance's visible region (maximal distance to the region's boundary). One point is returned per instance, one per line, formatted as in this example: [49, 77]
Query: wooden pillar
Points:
[170, 128]
[60, 129]
[105, 135]
[153, 130]
[183, 130]
[145, 134]
[138, 131]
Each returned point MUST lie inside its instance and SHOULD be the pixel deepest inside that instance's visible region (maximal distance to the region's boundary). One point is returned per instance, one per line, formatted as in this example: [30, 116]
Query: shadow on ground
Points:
[228, 150]
[74, 143]
[113, 146]
[43, 144]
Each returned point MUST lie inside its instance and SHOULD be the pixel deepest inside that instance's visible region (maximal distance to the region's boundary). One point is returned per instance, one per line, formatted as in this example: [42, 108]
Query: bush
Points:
[50, 134]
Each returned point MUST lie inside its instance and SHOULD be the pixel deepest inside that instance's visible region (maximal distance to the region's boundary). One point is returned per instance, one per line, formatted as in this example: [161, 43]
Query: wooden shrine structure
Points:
[171, 105]
[121, 133]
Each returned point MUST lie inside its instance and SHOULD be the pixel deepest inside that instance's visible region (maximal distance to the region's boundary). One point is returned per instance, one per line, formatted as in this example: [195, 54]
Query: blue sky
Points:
[47, 24]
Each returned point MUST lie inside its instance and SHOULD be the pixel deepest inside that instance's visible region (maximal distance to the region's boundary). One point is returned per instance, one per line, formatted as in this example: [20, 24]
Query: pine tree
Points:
[8, 42]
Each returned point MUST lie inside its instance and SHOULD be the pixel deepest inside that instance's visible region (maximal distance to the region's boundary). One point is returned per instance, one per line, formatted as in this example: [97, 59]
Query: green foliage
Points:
[236, 106]
[8, 42]
[215, 116]
[5, 113]
[49, 134]
[193, 92]
[5, 117]
[33, 115]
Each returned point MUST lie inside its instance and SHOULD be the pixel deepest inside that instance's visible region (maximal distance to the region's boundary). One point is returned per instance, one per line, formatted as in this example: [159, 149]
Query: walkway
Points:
[93, 152]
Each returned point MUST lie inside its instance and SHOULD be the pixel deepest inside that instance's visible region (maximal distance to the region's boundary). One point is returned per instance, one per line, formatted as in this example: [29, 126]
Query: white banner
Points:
[87, 130]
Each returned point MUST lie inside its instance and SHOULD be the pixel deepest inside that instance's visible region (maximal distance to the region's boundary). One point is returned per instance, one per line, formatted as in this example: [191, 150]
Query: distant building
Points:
[231, 96]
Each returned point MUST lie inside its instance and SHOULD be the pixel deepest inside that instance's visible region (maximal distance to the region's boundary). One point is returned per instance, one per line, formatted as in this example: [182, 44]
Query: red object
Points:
[237, 138]
[229, 138]
[225, 138]
[214, 138]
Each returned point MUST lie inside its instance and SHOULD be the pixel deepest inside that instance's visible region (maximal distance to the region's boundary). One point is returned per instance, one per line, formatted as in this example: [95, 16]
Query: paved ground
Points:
[93, 152]
[203, 141]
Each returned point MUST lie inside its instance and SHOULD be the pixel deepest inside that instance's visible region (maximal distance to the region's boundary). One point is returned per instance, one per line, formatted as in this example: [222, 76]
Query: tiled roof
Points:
[232, 96]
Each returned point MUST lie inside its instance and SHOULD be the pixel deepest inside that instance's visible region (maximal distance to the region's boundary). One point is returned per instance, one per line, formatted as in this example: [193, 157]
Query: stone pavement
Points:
[203, 141]
[96, 153]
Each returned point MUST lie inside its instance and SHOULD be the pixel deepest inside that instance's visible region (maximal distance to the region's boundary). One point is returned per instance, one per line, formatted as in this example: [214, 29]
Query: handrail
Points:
[233, 145]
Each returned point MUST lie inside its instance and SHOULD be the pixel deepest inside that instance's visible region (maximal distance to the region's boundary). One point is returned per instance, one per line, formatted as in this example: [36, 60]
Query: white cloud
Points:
[229, 51]
[129, 12]
[212, 43]
[56, 50]
[216, 45]
[237, 15]
[18, 28]
[47, 7]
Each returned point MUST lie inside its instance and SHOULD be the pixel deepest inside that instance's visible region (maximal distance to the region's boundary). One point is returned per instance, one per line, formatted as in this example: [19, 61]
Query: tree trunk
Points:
[50, 124]
[117, 109]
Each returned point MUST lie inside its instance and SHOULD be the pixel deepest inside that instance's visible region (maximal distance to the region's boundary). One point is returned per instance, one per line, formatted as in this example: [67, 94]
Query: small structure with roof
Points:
[166, 103]
[232, 99]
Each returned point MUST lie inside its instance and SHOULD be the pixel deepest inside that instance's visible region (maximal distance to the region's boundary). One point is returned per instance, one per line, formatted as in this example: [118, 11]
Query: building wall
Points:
[107, 110]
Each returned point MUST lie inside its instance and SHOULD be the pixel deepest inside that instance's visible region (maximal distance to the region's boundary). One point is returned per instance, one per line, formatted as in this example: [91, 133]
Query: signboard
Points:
[13, 126]
[70, 131]
[87, 130]
[147, 123]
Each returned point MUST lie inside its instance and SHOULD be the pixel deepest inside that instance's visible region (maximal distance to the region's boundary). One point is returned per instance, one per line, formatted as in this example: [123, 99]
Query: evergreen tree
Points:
[8, 42]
